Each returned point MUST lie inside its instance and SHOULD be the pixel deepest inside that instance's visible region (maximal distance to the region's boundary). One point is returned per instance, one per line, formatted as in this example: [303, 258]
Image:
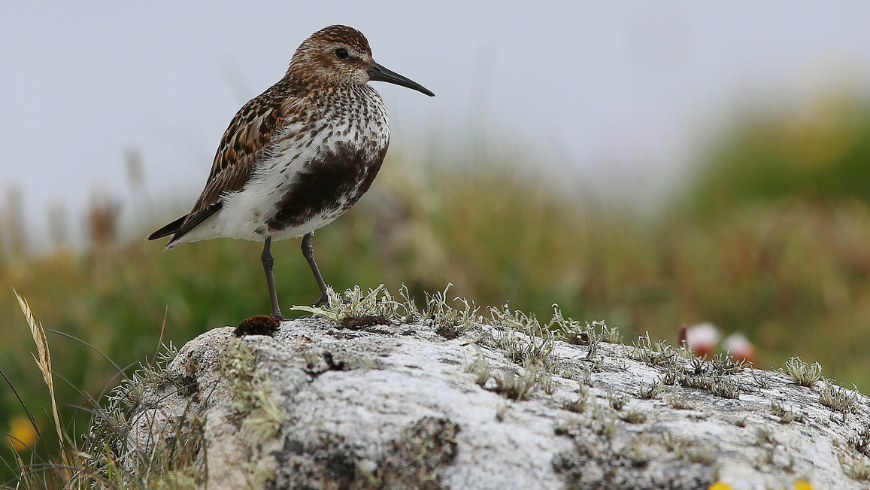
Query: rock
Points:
[376, 402]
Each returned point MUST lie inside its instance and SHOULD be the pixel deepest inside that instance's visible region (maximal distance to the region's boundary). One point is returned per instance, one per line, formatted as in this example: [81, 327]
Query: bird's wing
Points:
[244, 143]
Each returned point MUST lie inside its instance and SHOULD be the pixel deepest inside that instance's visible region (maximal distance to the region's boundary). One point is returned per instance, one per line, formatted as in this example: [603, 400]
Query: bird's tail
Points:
[167, 230]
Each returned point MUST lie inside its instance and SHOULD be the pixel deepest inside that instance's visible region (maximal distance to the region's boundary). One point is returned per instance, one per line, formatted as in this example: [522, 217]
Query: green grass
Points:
[818, 152]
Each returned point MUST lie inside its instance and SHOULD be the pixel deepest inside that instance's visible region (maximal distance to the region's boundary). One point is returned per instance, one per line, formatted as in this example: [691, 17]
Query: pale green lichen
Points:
[786, 416]
[251, 390]
[521, 337]
[688, 449]
[450, 322]
[367, 363]
[605, 421]
[574, 332]
[838, 398]
[802, 373]
[577, 405]
[634, 415]
[760, 379]
[861, 441]
[548, 384]
[651, 390]
[717, 385]
[481, 370]
[656, 354]
[616, 400]
[519, 386]
[638, 451]
[676, 399]
[258, 473]
[854, 466]
[726, 364]
[149, 377]
[354, 303]
[311, 357]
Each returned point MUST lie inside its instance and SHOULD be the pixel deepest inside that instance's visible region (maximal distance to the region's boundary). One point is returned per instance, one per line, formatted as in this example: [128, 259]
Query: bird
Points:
[299, 155]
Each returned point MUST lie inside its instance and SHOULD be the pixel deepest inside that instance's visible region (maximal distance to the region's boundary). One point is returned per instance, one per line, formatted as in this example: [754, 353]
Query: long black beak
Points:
[378, 73]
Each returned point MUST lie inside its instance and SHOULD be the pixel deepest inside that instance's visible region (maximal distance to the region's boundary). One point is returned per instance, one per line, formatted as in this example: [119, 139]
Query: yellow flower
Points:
[22, 433]
[802, 485]
[720, 486]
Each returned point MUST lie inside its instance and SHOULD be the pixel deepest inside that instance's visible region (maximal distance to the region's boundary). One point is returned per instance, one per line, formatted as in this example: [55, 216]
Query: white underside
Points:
[244, 214]
[229, 222]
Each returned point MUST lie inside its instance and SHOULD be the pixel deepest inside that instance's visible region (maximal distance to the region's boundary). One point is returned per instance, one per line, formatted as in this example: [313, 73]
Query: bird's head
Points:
[340, 55]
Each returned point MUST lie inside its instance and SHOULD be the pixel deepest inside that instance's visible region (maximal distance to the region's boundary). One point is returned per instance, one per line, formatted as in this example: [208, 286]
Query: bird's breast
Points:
[321, 167]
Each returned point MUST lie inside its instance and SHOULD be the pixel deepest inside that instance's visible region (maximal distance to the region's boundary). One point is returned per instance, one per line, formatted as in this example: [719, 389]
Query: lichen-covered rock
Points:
[396, 405]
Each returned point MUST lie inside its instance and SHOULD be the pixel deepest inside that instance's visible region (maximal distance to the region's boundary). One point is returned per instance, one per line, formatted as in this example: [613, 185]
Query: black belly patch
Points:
[332, 183]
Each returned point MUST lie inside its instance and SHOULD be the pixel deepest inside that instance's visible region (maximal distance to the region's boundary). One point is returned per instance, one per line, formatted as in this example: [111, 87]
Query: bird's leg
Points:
[268, 262]
[308, 253]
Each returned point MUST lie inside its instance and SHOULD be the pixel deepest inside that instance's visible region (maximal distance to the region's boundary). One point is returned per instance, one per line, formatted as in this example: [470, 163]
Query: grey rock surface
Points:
[400, 406]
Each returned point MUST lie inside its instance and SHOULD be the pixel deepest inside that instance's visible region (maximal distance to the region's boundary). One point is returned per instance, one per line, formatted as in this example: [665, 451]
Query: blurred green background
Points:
[770, 237]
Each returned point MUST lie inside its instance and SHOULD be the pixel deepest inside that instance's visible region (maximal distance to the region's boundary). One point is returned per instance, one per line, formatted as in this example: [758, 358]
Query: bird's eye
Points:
[341, 53]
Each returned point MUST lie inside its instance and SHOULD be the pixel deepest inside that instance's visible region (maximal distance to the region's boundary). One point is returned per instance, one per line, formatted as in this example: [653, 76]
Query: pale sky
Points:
[616, 93]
